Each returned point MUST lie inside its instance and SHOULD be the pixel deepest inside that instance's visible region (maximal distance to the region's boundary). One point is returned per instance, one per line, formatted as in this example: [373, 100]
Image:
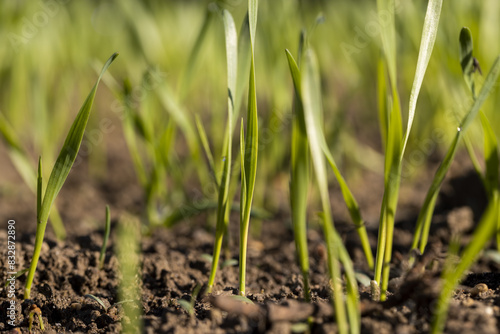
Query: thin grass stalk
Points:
[452, 273]
[250, 151]
[222, 212]
[59, 174]
[21, 161]
[128, 247]
[311, 96]
[107, 230]
[491, 174]
[424, 219]
[299, 179]
[396, 142]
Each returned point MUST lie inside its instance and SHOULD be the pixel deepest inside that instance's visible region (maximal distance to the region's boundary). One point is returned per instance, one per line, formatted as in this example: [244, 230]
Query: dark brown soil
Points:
[174, 263]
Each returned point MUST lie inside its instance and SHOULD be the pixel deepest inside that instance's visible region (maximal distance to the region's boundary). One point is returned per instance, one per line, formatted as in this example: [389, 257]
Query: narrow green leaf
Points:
[187, 77]
[429, 33]
[490, 156]
[489, 82]
[223, 207]
[98, 300]
[383, 105]
[451, 276]
[253, 6]
[60, 172]
[242, 299]
[39, 190]
[70, 149]
[388, 35]
[311, 98]
[206, 147]
[299, 181]
[107, 230]
[249, 163]
[423, 221]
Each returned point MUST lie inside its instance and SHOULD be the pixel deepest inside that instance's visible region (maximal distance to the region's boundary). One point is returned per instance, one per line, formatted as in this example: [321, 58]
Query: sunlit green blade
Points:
[490, 157]
[466, 58]
[251, 146]
[222, 207]
[70, 149]
[382, 99]
[299, 178]
[128, 246]
[452, 274]
[107, 230]
[206, 147]
[351, 203]
[311, 98]
[429, 33]
[488, 84]
[195, 53]
[423, 221]
[388, 35]
[60, 172]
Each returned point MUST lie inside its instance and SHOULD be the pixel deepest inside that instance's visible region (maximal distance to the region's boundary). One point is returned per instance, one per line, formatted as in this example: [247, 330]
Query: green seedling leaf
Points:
[311, 98]
[60, 172]
[206, 147]
[300, 327]
[223, 206]
[429, 33]
[98, 300]
[250, 152]
[452, 274]
[229, 263]
[488, 84]
[467, 58]
[70, 148]
[388, 35]
[107, 230]
[17, 275]
[242, 299]
[189, 306]
[185, 305]
[299, 182]
[424, 218]
[23, 165]
[350, 201]
[207, 257]
[490, 157]
[383, 103]
[196, 52]
[128, 249]
[396, 142]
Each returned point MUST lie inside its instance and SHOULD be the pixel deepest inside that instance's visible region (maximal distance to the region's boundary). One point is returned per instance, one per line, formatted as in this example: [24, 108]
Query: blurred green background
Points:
[52, 50]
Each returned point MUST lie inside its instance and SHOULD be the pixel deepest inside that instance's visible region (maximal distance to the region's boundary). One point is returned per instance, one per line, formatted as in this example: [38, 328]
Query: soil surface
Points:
[174, 263]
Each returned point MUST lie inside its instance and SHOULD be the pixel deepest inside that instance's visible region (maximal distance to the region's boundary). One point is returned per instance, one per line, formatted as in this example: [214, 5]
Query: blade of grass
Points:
[490, 177]
[128, 252]
[423, 221]
[222, 207]
[107, 230]
[452, 274]
[187, 78]
[60, 172]
[396, 142]
[431, 23]
[392, 168]
[311, 95]
[249, 155]
[299, 179]
[206, 147]
[23, 165]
